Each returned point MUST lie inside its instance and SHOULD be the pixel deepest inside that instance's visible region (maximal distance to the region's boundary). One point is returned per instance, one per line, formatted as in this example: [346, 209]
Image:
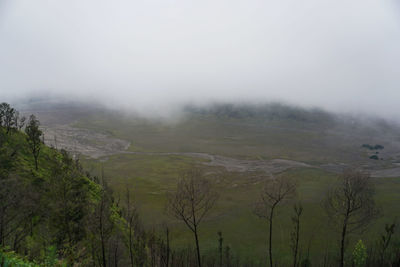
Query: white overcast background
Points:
[342, 55]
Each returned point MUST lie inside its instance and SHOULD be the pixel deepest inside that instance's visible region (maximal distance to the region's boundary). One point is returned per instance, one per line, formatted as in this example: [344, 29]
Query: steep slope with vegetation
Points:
[51, 211]
[45, 204]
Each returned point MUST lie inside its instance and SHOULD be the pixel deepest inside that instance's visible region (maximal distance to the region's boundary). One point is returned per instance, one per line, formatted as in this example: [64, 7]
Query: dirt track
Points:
[235, 165]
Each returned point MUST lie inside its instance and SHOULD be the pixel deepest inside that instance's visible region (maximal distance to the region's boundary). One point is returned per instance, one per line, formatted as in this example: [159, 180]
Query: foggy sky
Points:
[156, 54]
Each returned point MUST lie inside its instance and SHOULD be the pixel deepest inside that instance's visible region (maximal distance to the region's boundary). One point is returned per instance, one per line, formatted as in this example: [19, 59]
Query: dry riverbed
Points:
[100, 145]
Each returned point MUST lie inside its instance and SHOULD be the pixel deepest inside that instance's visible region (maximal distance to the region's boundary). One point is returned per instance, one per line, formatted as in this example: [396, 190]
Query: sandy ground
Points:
[83, 141]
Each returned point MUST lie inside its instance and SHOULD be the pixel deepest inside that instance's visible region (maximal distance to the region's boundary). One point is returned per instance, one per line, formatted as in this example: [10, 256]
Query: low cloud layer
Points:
[157, 54]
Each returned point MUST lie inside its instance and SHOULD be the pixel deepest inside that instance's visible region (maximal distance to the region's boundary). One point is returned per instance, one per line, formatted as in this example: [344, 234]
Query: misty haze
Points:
[209, 133]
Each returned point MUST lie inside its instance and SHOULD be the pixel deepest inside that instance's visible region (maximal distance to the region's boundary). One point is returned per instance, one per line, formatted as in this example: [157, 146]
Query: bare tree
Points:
[351, 206]
[102, 225]
[220, 247]
[134, 235]
[132, 220]
[295, 235]
[166, 249]
[192, 201]
[275, 191]
[384, 242]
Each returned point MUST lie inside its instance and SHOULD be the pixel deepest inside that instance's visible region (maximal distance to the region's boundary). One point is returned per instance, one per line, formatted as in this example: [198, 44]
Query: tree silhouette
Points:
[33, 137]
[350, 205]
[275, 191]
[193, 199]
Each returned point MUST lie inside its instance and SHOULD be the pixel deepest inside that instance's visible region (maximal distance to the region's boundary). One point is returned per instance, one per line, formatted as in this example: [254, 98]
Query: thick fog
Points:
[157, 54]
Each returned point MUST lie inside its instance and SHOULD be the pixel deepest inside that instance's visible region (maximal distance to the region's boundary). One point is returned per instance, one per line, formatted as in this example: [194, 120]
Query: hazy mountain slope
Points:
[252, 132]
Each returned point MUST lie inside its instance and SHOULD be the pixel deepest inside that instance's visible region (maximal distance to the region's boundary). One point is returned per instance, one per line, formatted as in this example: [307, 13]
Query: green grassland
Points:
[312, 137]
[309, 136]
[150, 177]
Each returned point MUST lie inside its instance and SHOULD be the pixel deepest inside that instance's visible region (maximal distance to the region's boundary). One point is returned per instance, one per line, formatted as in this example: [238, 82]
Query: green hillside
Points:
[45, 211]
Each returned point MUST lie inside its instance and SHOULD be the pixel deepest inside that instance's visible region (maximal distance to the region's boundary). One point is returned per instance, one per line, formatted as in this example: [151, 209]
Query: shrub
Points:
[359, 254]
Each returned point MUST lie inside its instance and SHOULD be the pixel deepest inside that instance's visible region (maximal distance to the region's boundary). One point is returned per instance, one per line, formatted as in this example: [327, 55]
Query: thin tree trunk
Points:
[297, 243]
[36, 163]
[93, 255]
[116, 255]
[168, 248]
[130, 242]
[195, 233]
[103, 250]
[344, 231]
[2, 227]
[15, 242]
[271, 215]
[220, 248]
[197, 246]
[130, 225]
